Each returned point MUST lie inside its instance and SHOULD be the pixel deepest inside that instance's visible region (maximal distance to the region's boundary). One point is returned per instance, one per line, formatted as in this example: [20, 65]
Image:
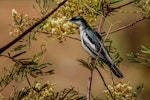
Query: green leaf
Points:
[142, 57]
[45, 3]
[84, 63]
[139, 89]
[38, 1]
[49, 72]
[19, 47]
[18, 54]
[145, 50]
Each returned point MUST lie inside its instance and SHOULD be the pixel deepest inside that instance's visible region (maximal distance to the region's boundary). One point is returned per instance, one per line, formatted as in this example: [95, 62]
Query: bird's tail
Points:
[116, 71]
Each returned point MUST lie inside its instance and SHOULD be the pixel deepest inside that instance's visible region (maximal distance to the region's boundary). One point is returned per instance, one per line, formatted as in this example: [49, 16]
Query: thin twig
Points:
[101, 24]
[28, 80]
[107, 5]
[104, 82]
[126, 26]
[70, 37]
[14, 60]
[65, 95]
[112, 78]
[105, 14]
[31, 28]
[123, 5]
[61, 35]
[89, 85]
[108, 11]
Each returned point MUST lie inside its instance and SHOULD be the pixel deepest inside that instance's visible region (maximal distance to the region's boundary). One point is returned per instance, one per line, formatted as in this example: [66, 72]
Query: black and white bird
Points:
[93, 44]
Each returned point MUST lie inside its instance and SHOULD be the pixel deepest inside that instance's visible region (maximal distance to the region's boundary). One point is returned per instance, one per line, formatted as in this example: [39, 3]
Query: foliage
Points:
[21, 22]
[123, 91]
[44, 6]
[144, 5]
[68, 94]
[46, 92]
[58, 27]
[22, 67]
[36, 92]
[142, 57]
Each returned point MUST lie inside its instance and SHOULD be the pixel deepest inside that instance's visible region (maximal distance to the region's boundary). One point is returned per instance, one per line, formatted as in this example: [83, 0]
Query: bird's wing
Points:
[94, 42]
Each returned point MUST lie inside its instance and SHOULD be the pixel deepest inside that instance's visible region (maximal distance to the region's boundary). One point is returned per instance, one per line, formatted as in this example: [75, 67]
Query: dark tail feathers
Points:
[116, 71]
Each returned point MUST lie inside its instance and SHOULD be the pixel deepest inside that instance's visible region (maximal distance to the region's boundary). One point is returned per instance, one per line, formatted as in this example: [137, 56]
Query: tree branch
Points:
[104, 82]
[89, 85]
[70, 37]
[28, 81]
[123, 5]
[31, 28]
[105, 14]
[101, 24]
[108, 10]
[126, 26]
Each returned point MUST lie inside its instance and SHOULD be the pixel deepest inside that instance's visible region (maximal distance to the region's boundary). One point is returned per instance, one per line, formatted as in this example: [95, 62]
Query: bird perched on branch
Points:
[93, 44]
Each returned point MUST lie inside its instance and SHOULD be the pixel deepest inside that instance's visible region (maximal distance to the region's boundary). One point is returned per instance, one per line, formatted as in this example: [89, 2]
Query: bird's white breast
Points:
[85, 38]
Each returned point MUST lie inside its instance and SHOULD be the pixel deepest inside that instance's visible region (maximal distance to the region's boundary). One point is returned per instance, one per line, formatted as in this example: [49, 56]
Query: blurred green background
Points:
[68, 71]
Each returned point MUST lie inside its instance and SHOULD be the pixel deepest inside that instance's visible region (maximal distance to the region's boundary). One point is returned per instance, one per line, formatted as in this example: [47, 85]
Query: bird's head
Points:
[79, 21]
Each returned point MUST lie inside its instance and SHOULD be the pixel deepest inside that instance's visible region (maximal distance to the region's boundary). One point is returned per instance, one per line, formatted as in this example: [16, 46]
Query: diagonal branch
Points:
[109, 10]
[126, 26]
[32, 27]
[105, 14]
[123, 5]
[104, 82]
[67, 36]
[101, 23]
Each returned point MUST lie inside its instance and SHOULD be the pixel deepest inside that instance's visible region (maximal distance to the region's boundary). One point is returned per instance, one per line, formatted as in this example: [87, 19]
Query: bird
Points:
[92, 42]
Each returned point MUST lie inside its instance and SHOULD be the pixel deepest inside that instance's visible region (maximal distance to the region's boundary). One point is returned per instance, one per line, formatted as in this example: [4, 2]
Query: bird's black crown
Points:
[78, 18]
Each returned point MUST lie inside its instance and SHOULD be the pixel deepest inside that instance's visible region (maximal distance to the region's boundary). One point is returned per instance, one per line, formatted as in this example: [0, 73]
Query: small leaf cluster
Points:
[122, 91]
[36, 92]
[142, 57]
[24, 67]
[58, 24]
[46, 92]
[44, 6]
[20, 23]
[67, 94]
[144, 5]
